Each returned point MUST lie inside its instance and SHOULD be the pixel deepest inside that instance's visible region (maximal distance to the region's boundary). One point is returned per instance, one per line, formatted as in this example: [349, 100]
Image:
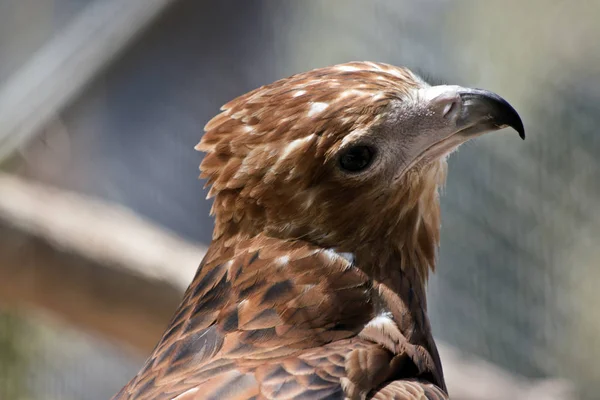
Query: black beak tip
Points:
[506, 115]
[518, 126]
[514, 120]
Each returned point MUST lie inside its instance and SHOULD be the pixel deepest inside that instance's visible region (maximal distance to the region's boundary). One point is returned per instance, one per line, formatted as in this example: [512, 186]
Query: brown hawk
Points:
[327, 221]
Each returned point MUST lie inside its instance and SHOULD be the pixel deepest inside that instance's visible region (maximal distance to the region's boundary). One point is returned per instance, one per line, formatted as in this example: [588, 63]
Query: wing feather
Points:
[268, 319]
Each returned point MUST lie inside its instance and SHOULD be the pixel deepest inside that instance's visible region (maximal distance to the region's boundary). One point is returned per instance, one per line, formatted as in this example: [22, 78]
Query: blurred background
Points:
[103, 220]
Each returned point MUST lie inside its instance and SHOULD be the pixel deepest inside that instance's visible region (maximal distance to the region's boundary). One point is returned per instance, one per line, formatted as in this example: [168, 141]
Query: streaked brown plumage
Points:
[314, 284]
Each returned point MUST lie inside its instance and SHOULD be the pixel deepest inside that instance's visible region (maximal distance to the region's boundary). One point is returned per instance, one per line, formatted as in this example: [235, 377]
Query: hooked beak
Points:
[483, 111]
[453, 115]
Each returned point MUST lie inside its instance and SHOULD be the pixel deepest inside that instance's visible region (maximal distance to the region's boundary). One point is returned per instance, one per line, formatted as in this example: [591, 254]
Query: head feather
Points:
[266, 153]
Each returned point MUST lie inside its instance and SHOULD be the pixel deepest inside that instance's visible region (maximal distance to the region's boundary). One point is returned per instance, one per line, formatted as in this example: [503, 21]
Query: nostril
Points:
[450, 108]
[448, 103]
[444, 101]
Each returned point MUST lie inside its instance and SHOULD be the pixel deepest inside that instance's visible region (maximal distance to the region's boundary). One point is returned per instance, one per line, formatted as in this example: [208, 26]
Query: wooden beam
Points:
[95, 265]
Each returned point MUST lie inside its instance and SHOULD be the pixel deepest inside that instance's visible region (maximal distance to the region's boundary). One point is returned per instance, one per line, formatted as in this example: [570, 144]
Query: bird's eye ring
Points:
[356, 158]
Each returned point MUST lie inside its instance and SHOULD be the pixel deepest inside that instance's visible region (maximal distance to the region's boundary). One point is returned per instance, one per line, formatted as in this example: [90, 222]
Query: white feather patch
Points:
[347, 68]
[382, 321]
[352, 136]
[283, 260]
[317, 108]
[187, 395]
[353, 92]
[294, 145]
[334, 255]
[383, 330]
[298, 93]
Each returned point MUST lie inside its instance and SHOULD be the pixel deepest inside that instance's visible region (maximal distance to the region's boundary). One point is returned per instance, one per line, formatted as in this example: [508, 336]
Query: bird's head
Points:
[348, 157]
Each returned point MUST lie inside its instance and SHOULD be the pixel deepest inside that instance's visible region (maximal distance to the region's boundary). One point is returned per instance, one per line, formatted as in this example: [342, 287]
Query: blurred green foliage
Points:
[16, 343]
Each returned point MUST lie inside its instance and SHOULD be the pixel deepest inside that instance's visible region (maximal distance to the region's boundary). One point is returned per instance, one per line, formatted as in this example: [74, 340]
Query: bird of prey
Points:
[327, 220]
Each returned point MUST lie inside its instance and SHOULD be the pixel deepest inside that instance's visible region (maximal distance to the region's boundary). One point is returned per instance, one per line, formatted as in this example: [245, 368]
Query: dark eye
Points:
[356, 158]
